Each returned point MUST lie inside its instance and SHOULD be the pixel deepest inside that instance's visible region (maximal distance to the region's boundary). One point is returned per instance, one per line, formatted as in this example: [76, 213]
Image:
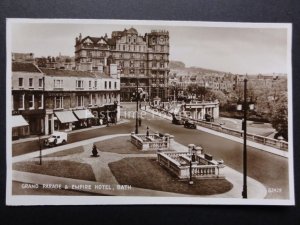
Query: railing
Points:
[279, 144]
[283, 145]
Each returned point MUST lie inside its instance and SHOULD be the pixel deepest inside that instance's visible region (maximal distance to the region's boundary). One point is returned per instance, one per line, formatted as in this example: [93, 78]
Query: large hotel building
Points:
[140, 59]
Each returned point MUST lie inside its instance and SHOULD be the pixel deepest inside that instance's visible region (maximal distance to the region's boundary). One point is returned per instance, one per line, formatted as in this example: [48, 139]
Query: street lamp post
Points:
[174, 93]
[191, 179]
[137, 107]
[245, 106]
[40, 146]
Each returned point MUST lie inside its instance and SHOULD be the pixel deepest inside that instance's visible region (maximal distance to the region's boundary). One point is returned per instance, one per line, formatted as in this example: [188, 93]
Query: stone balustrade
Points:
[151, 142]
[279, 144]
[178, 163]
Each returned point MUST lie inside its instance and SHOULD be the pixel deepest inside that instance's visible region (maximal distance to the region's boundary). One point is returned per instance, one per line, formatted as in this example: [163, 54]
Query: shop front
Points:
[85, 118]
[64, 120]
[20, 127]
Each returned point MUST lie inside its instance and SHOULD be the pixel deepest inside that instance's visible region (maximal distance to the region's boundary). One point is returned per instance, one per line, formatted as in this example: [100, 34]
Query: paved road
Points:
[269, 169]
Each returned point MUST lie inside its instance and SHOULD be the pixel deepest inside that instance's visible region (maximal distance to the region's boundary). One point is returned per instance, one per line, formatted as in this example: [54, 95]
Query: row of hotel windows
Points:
[94, 54]
[58, 101]
[142, 64]
[132, 48]
[120, 47]
[99, 53]
[59, 83]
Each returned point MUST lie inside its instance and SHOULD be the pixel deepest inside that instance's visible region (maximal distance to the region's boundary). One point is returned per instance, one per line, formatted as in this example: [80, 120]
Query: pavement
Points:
[104, 176]
[35, 137]
[230, 137]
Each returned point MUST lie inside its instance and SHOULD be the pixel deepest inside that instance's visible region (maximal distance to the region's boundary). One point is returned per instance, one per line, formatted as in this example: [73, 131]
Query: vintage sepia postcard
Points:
[148, 112]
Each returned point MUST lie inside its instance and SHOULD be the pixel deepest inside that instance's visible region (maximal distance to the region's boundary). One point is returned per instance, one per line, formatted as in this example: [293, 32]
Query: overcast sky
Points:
[236, 50]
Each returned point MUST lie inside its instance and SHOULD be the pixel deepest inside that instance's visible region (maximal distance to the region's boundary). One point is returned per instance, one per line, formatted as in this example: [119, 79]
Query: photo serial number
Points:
[274, 190]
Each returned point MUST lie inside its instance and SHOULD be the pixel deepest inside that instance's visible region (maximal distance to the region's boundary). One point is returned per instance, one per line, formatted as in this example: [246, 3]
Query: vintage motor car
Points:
[56, 138]
[208, 118]
[190, 124]
[177, 120]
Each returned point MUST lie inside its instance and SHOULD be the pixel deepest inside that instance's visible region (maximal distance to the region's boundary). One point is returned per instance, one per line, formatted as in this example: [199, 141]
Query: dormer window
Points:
[153, 40]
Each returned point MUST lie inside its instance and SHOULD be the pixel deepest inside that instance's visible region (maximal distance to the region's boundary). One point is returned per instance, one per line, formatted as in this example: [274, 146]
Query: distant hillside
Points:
[200, 70]
[180, 66]
[176, 65]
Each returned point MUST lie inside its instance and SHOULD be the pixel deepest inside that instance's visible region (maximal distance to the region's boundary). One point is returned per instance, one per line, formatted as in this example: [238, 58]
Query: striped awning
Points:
[19, 121]
[83, 114]
[66, 116]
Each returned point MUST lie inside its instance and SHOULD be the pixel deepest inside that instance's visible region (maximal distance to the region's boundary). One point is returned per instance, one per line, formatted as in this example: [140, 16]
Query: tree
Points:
[202, 92]
[279, 118]
[220, 96]
[199, 91]
[41, 62]
[68, 60]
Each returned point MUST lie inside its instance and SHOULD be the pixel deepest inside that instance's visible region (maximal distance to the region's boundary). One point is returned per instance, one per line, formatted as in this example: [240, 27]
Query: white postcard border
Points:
[120, 200]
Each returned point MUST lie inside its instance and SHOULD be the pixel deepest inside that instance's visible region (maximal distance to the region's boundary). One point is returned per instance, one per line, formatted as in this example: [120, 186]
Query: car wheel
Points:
[64, 142]
[55, 142]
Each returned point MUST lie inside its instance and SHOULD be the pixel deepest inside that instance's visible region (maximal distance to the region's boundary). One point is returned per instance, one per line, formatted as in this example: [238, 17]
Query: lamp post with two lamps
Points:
[192, 153]
[245, 106]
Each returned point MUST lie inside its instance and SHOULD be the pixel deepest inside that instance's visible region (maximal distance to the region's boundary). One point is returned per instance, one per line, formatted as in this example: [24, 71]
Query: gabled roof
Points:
[132, 31]
[24, 67]
[95, 40]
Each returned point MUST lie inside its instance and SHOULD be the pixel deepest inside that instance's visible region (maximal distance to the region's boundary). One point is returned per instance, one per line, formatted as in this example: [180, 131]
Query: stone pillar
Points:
[199, 116]
[216, 111]
[202, 112]
[46, 121]
[118, 111]
[171, 137]
[199, 150]
[52, 123]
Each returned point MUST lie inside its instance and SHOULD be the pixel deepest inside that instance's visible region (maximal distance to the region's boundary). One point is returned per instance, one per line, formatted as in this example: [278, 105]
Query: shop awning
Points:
[65, 116]
[83, 114]
[19, 121]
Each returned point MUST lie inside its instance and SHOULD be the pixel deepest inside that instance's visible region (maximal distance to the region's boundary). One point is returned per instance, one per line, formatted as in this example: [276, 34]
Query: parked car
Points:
[56, 138]
[190, 124]
[208, 118]
[177, 120]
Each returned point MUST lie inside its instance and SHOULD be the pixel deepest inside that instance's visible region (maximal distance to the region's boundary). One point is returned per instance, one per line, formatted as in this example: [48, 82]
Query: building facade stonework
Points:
[53, 99]
[142, 59]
